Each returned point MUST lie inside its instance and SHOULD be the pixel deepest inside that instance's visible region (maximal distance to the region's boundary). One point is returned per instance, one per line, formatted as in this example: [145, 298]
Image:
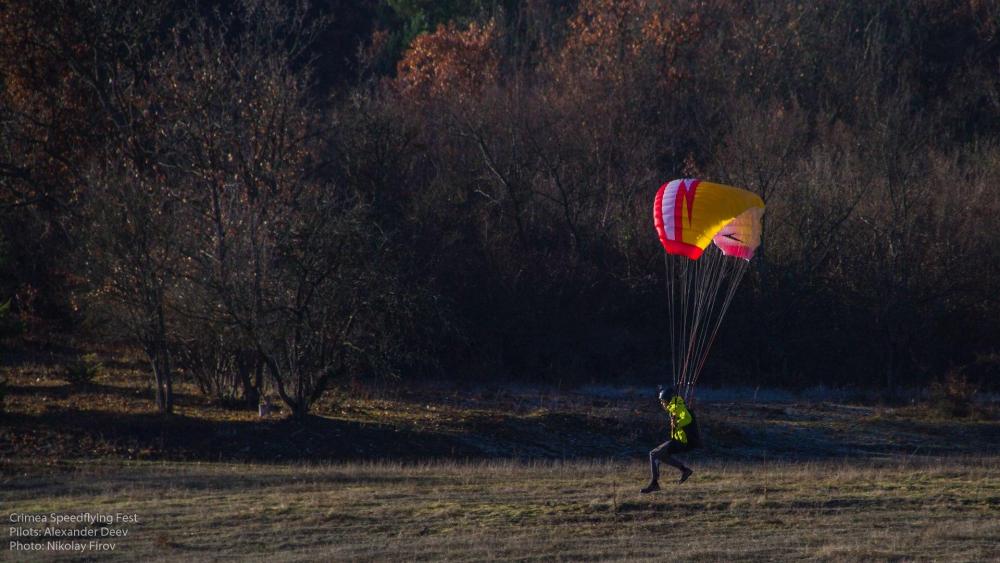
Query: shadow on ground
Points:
[619, 430]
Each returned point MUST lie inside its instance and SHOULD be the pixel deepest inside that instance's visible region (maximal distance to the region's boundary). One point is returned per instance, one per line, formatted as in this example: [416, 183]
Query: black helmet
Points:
[667, 392]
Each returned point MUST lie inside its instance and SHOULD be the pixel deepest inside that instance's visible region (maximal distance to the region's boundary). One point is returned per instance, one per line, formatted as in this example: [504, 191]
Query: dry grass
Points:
[866, 491]
[913, 509]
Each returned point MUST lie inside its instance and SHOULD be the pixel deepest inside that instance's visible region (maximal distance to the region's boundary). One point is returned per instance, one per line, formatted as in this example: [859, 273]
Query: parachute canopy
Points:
[701, 281]
[690, 214]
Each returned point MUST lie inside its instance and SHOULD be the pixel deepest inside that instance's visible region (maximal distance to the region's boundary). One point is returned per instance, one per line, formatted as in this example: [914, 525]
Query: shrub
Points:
[83, 370]
[10, 325]
[3, 394]
[954, 395]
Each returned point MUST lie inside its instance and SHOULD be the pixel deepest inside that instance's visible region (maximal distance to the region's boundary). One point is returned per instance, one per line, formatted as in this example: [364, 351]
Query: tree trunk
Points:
[298, 407]
[157, 377]
[258, 377]
[299, 412]
[159, 359]
[250, 386]
[165, 385]
[168, 380]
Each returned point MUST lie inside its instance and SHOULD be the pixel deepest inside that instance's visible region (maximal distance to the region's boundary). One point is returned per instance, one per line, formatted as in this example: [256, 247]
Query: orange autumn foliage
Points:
[451, 61]
[607, 38]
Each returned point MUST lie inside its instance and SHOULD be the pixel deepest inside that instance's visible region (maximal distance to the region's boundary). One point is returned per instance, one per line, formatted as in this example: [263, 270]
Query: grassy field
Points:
[481, 473]
[916, 509]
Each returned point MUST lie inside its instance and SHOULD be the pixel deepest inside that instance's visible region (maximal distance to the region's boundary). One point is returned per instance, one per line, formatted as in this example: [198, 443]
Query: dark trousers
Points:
[663, 453]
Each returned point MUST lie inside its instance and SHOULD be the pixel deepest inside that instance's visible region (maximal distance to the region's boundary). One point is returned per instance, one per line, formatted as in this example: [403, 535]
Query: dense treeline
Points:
[255, 194]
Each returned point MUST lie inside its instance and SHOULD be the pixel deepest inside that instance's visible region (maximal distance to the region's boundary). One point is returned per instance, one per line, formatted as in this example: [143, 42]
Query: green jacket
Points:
[678, 410]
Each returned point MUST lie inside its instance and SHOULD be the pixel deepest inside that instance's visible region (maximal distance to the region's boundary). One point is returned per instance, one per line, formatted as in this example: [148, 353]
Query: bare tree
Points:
[131, 207]
[133, 258]
[282, 252]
